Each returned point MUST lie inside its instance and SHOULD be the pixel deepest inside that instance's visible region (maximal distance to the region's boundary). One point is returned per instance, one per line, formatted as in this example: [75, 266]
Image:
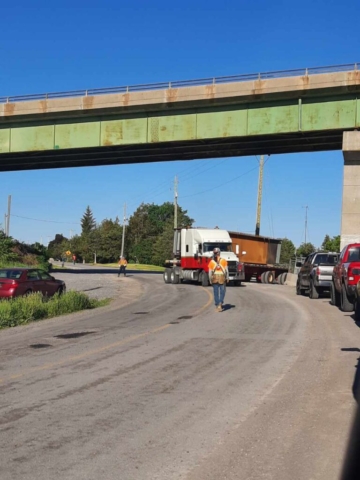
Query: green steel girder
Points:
[291, 125]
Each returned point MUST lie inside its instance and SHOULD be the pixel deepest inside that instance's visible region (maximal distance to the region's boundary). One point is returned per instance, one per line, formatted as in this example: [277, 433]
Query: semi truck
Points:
[260, 256]
[192, 252]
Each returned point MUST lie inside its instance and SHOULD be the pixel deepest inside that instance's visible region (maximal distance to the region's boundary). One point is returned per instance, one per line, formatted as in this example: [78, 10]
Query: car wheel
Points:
[299, 290]
[334, 296]
[61, 290]
[28, 292]
[313, 293]
[357, 310]
[346, 305]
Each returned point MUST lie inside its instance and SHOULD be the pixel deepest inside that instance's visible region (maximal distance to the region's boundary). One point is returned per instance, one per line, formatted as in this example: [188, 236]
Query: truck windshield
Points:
[354, 255]
[324, 258]
[209, 247]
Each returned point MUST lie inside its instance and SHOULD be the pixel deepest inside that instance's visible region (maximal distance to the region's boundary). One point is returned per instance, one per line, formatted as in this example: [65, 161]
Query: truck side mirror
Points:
[237, 249]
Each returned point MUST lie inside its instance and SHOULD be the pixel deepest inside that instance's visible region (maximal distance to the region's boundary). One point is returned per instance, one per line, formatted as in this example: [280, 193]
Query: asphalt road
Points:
[166, 388]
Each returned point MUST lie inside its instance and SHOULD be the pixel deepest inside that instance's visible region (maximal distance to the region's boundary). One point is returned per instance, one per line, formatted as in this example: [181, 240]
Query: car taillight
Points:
[240, 267]
[318, 271]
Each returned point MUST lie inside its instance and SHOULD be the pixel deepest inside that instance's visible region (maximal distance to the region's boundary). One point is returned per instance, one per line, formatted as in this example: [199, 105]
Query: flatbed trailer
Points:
[260, 256]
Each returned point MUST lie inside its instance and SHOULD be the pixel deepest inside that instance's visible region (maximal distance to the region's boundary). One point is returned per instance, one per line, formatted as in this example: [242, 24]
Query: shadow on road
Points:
[227, 306]
[356, 382]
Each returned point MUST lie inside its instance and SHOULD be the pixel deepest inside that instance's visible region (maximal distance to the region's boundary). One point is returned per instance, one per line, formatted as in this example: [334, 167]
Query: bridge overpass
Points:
[302, 110]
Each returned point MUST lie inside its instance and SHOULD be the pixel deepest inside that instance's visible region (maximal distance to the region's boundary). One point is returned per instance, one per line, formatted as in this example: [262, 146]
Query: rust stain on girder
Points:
[210, 91]
[259, 87]
[9, 108]
[126, 99]
[305, 80]
[43, 106]
[172, 94]
[353, 77]
[88, 102]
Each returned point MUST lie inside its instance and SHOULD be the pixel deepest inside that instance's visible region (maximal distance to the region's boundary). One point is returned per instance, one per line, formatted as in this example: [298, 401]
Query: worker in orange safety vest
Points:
[218, 278]
[122, 266]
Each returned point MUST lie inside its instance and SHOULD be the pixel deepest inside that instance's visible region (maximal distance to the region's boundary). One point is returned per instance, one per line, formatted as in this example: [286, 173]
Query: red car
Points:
[15, 282]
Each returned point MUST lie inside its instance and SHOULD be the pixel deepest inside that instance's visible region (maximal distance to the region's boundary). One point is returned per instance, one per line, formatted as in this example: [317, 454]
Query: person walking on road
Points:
[74, 259]
[218, 278]
[122, 266]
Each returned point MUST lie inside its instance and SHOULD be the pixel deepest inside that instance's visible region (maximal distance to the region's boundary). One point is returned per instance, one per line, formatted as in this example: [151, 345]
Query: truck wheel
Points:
[281, 278]
[262, 277]
[174, 278]
[346, 305]
[313, 293]
[204, 279]
[269, 277]
[334, 296]
[167, 278]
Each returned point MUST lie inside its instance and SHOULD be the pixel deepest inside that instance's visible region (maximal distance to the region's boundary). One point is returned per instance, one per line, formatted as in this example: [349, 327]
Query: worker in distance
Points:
[218, 278]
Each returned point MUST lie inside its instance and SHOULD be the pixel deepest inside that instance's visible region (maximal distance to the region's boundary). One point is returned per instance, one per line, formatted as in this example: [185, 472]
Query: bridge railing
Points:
[183, 83]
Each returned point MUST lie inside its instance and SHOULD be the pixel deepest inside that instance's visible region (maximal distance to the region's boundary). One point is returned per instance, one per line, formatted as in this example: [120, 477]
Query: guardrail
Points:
[183, 83]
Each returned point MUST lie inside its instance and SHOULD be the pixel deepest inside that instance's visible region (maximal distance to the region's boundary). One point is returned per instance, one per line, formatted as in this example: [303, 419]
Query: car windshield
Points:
[13, 274]
[325, 258]
[209, 246]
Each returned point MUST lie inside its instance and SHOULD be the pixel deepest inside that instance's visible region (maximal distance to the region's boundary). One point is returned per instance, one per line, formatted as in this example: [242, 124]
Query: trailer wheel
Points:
[280, 279]
[204, 279]
[174, 278]
[167, 278]
[262, 277]
[269, 277]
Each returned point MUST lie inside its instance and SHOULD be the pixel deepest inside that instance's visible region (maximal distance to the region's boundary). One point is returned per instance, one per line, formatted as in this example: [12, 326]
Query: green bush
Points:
[23, 310]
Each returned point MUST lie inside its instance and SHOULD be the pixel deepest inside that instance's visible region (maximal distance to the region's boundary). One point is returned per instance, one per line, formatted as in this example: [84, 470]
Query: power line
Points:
[46, 221]
[222, 184]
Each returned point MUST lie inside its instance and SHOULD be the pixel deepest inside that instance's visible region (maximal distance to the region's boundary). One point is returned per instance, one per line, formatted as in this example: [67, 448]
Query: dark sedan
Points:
[15, 282]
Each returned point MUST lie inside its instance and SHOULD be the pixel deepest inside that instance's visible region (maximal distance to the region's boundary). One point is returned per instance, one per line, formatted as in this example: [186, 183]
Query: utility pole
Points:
[123, 232]
[8, 217]
[306, 221]
[260, 184]
[5, 225]
[175, 201]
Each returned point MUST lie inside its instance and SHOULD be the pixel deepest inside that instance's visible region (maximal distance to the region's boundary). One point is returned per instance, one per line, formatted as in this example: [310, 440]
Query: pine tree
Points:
[88, 223]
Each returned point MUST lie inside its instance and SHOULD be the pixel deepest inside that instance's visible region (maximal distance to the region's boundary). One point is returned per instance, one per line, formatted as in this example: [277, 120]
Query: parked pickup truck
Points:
[346, 275]
[315, 275]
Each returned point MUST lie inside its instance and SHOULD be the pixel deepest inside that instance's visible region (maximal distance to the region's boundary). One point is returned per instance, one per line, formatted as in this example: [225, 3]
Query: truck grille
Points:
[232, 268]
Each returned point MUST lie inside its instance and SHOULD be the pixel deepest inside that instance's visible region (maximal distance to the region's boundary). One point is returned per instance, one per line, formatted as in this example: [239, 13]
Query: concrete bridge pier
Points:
[350, 218]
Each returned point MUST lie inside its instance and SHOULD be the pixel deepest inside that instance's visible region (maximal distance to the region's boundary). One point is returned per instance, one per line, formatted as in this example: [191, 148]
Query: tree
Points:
[88, 223]
[147, 225]
[305, 249]
[331, 244]
[287, 250]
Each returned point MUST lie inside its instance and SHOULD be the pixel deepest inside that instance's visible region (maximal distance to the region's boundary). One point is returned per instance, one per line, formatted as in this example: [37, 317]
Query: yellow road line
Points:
[89, 353]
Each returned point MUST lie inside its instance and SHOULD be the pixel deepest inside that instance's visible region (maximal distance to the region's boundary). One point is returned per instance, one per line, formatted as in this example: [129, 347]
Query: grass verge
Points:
[23, 310]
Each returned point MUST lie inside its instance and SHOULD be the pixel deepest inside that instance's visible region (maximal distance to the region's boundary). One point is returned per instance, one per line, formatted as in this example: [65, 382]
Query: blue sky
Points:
[74, 45]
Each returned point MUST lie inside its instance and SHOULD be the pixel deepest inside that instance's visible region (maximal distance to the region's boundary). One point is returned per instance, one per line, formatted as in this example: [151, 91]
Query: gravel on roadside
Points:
[99, 285]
